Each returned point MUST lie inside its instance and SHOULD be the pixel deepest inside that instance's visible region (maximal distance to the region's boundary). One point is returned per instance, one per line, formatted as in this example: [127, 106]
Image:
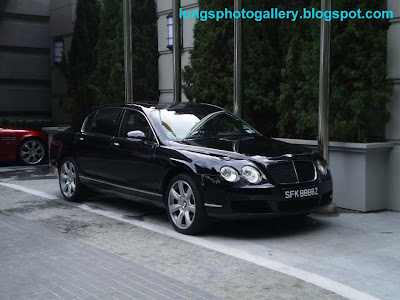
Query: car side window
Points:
[105, 121]
[87, 125]
[133, 121]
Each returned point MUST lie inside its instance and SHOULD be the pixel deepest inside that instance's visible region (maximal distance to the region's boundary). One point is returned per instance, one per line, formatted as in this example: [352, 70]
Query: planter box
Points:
[359, 173]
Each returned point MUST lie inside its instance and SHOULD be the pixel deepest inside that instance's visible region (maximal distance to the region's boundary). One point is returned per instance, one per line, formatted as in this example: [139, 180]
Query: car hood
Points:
[241, 148]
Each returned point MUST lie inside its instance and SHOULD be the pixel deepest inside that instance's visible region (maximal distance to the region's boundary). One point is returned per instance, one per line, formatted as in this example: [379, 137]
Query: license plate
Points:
[302, 193]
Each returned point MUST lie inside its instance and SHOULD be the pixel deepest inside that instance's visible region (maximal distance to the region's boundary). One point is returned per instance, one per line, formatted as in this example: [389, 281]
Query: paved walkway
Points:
[36, 263]
[360, 251]
[52, 250]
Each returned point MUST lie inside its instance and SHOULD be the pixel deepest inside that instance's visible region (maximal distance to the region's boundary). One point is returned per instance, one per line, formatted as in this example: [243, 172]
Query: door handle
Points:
[117, 144]
[81, 139]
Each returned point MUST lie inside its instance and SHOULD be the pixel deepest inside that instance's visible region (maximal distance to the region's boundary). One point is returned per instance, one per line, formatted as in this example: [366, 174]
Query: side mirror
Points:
[137, 134]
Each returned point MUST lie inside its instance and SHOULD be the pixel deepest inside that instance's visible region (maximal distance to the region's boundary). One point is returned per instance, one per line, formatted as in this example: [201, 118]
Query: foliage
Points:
[35, 125]
[145, 50]
[99, 77]
[360, 89]
[209, 79]
[82, 58]
[261, 68]
[297, 105]
[281, 71]
[107, 80]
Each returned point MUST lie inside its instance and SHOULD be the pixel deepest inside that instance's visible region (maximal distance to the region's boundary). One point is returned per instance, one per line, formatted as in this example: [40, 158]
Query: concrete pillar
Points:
[324, 80]
[393, 127]
[237, 89]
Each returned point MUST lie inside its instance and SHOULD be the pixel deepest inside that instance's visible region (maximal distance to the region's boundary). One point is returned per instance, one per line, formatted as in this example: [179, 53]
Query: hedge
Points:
[281, 71]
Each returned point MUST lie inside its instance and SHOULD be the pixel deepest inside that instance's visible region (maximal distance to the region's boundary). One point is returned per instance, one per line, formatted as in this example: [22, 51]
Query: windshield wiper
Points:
[236, 138]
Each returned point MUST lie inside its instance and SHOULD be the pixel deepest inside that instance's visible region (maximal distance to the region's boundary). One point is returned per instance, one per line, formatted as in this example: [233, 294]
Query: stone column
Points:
[393, 127]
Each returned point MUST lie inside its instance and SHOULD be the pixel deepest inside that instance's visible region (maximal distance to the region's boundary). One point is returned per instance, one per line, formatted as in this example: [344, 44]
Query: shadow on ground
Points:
[240, 230]
[254, 229]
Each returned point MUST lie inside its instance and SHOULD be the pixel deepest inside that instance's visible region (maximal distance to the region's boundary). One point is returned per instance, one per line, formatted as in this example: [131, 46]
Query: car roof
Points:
[160, 106]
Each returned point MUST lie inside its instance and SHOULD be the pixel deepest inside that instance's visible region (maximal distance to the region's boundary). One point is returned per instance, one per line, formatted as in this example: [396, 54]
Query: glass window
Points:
[105, 121]
[135, 121]
[203, 122]
[88, 122]
[220, 124]
[58, 50]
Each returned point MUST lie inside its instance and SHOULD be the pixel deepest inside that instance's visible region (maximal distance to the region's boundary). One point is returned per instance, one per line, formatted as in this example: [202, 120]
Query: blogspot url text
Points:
[292, 15]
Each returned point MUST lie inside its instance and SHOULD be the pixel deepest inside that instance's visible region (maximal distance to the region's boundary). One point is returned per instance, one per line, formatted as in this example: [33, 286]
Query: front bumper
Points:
[266, 201]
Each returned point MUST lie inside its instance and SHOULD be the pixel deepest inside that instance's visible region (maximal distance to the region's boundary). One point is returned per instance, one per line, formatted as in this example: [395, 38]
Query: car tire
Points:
[185, 206]
[70, 186]
[32, 151]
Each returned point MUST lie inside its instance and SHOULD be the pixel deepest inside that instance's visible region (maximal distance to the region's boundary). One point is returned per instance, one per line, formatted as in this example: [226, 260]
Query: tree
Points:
[108, 80]
[297, 105]
[360, 89]
[145, 50]
[281, 70]
[261, 68]
[95, 68]
[210, 77]
[82, 57]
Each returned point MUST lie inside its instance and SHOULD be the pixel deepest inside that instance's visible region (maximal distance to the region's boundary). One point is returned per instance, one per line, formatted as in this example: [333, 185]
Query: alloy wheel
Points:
[32, 152]
[68, 179]
[182, 204]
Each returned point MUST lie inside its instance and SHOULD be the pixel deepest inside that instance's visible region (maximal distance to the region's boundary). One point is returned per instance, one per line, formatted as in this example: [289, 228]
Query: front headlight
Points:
[322, 167]
[229, 174]
[251, 174]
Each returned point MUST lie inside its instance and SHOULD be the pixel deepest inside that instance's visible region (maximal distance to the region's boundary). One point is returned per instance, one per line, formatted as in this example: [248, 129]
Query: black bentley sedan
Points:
[196, 160]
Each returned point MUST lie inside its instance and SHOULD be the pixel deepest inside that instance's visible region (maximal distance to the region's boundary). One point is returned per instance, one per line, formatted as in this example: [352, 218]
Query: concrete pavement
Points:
[52, 250]
[38, 263]
[357, 250]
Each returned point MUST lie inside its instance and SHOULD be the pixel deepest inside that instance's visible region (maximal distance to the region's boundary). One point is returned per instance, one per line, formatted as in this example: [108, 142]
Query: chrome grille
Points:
[292, 172]
[283, 173]
[305, 170]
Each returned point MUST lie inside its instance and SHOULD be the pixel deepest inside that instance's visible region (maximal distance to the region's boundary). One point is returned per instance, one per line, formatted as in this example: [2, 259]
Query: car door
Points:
[93, 143]
[134, 165]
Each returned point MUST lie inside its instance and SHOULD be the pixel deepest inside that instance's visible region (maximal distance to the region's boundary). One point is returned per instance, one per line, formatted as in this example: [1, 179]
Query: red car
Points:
[26, 146]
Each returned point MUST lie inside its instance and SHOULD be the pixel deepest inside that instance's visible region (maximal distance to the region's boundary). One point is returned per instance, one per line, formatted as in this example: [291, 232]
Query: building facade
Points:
[165, 63]
[62, 17]
[25, 77]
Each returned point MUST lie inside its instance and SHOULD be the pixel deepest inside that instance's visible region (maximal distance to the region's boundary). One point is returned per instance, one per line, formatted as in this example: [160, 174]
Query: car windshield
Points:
[208, 122]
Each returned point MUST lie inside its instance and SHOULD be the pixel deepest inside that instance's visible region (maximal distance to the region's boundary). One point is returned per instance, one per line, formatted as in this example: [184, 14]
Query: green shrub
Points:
[82, 58]
[35, 125]
[96, 64]
[209, 79]
[360, 90]
[108, 79]
[281, 71]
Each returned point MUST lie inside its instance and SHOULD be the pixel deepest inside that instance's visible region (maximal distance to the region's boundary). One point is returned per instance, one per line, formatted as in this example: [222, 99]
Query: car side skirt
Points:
[123, 191]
